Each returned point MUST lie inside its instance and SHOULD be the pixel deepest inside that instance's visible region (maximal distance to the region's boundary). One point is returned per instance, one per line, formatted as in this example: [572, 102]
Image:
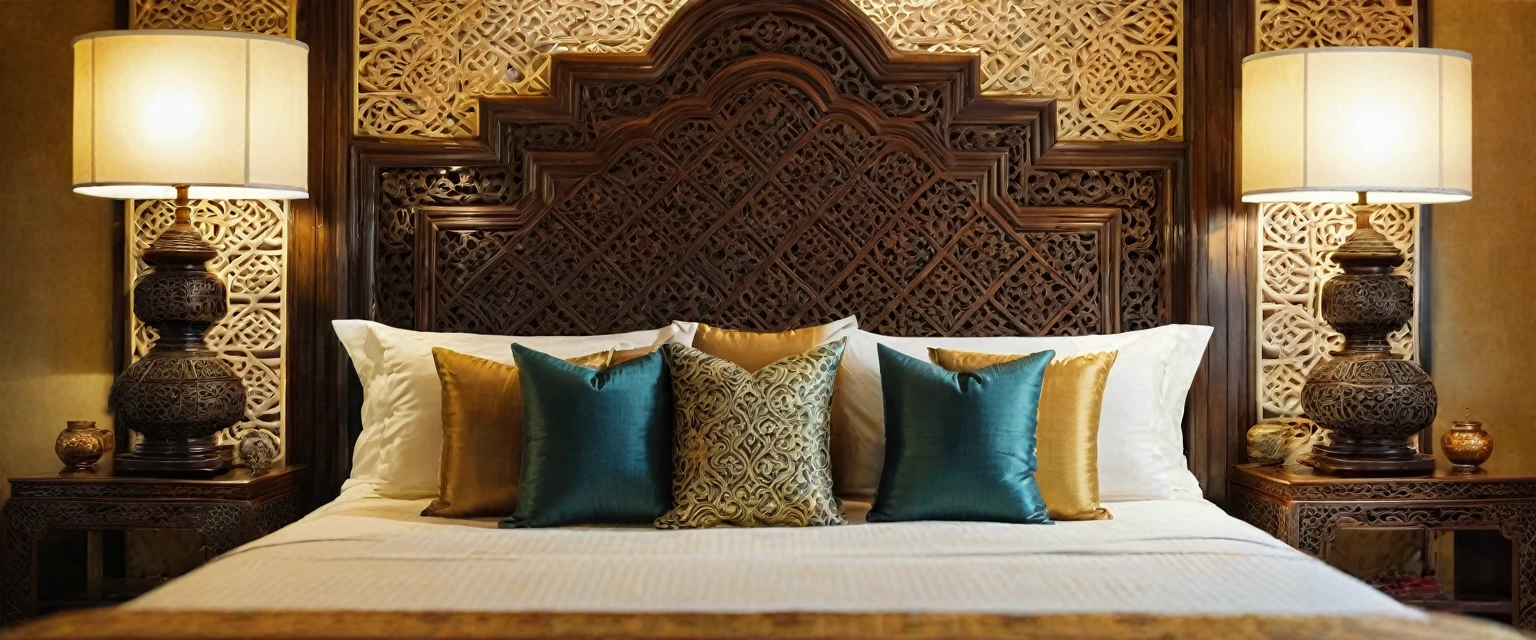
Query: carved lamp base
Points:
[1372, 400]
[180, 395]
[1345, 464]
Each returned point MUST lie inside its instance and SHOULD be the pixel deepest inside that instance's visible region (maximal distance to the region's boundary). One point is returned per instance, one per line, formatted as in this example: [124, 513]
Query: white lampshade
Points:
[223, 112]
[1322, 125]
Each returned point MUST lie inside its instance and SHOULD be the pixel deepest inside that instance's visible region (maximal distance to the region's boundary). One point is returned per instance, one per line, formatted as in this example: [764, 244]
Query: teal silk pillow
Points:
[960, 446]
[597, 445]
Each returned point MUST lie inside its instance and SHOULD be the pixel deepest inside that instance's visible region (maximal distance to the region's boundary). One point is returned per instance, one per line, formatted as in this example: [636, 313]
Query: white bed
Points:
[1172, 557]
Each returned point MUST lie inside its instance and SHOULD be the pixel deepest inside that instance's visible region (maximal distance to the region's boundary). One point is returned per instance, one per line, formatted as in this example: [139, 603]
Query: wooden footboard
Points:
[124, 624]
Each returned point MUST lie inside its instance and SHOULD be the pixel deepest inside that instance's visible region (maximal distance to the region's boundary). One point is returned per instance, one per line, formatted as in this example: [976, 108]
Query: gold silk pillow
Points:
[752, 350]
[482, 434]
[1067, 435]
[750, 448]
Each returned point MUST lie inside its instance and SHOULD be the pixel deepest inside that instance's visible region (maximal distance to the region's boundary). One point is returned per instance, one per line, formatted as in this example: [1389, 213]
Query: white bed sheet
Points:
[1172, 557]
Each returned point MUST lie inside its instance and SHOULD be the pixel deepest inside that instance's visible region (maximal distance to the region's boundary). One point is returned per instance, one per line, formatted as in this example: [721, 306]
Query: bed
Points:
[766, 165]
[365, 566]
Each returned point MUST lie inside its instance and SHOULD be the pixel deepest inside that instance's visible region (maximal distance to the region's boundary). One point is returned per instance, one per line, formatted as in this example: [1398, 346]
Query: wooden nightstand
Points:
[228, 511]
[1307, 510]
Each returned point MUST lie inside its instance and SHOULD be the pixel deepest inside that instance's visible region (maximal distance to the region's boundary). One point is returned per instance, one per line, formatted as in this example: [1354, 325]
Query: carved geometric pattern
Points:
[1115, 65]
[251, 236]
[822, 203]
[1296, 239]
[271, 17]
[764, 191]
[1303, 24]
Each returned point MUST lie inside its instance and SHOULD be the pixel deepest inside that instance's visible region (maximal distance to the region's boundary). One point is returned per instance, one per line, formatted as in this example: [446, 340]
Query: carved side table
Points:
[1306, 510]
[228, 511]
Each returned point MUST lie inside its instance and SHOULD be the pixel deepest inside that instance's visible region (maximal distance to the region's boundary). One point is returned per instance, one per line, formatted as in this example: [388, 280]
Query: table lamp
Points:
[185, 114]
[1362, 125]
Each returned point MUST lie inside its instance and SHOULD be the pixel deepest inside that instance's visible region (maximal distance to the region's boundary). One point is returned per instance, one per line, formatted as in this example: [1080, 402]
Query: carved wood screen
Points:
[766, 169]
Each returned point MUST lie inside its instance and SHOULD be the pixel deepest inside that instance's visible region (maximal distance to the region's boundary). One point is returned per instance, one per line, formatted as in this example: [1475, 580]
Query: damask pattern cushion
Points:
[750, 448]
[596, 444]
[1067, 433]
[960, 446]
[754, 350]
[482, 434]
[402, 437]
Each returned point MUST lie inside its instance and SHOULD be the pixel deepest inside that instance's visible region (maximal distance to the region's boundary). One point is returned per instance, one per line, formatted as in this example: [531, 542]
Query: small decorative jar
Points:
[1466, 445]
[81, 444]
[258, 448]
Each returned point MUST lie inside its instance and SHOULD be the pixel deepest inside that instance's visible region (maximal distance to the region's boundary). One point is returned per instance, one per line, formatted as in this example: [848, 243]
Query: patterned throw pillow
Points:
[750, 449]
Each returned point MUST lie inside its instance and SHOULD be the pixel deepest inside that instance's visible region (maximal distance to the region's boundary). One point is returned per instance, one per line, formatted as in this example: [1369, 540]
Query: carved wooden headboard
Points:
[766, 165]
[766, 169]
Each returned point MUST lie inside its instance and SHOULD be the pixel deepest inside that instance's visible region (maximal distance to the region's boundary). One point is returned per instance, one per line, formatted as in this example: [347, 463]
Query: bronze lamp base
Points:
[1372, 400]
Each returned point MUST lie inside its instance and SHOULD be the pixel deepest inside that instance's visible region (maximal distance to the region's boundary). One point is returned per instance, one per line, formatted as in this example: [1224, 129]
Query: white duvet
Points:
[364, 552]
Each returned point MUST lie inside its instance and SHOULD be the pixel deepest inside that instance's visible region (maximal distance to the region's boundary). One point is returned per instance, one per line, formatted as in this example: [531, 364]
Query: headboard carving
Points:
[767, 165]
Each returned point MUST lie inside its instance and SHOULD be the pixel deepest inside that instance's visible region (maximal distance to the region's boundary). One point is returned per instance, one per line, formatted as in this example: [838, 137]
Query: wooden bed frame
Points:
[766, 165]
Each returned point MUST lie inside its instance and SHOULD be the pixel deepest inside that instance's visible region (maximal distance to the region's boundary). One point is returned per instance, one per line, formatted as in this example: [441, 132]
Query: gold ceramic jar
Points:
[1466, 445]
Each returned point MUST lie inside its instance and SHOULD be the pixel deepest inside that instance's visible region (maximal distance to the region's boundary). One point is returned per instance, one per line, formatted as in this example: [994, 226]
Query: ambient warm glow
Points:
[223, 112]
[1322, 125]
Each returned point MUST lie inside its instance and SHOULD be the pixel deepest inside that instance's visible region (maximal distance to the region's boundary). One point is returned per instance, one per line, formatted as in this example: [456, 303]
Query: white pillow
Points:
[402, 437]
[1140, 441]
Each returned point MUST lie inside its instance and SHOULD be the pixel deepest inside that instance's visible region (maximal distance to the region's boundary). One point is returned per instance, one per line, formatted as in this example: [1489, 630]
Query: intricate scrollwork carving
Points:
[272, 17]
[1297, 239]
[1300, 24]
[735, 194]
[1116, 66]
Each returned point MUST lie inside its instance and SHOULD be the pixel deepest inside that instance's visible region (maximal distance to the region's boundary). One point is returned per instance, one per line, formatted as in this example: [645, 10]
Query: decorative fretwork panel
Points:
[1115, 65]
[1296, 240]
[251, 236]
[272, 17]
[1300, 24]
[751, 199]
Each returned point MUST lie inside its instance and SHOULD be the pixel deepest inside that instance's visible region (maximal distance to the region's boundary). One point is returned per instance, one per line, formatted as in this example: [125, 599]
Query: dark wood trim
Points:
[321, 254]
[1222, 403]
[1425, 257]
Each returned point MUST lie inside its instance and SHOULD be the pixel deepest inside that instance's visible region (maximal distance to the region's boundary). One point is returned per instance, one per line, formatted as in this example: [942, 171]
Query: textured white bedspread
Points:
[1166, 557]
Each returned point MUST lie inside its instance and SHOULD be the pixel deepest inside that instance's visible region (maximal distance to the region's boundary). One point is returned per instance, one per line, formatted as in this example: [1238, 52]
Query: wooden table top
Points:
[236, 484]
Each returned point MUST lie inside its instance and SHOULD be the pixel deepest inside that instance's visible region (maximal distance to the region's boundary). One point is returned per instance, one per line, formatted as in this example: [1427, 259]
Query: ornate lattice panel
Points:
[250, 235]
[1296, 240]
[272, 17]
[1115, 65]
[764, 180]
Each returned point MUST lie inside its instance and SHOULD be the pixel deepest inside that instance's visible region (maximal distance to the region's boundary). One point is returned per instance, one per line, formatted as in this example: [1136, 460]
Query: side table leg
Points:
[23, 527]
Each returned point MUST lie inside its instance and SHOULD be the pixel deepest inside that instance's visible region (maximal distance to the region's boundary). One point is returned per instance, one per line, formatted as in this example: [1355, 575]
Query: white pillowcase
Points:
[1140, 440]
[402, 437]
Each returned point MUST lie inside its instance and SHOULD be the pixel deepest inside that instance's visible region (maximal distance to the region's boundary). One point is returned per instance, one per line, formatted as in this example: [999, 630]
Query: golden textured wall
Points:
[1482, 261]
[1296, 239]
[55, 247]
[251, 236]
[1116, 65]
